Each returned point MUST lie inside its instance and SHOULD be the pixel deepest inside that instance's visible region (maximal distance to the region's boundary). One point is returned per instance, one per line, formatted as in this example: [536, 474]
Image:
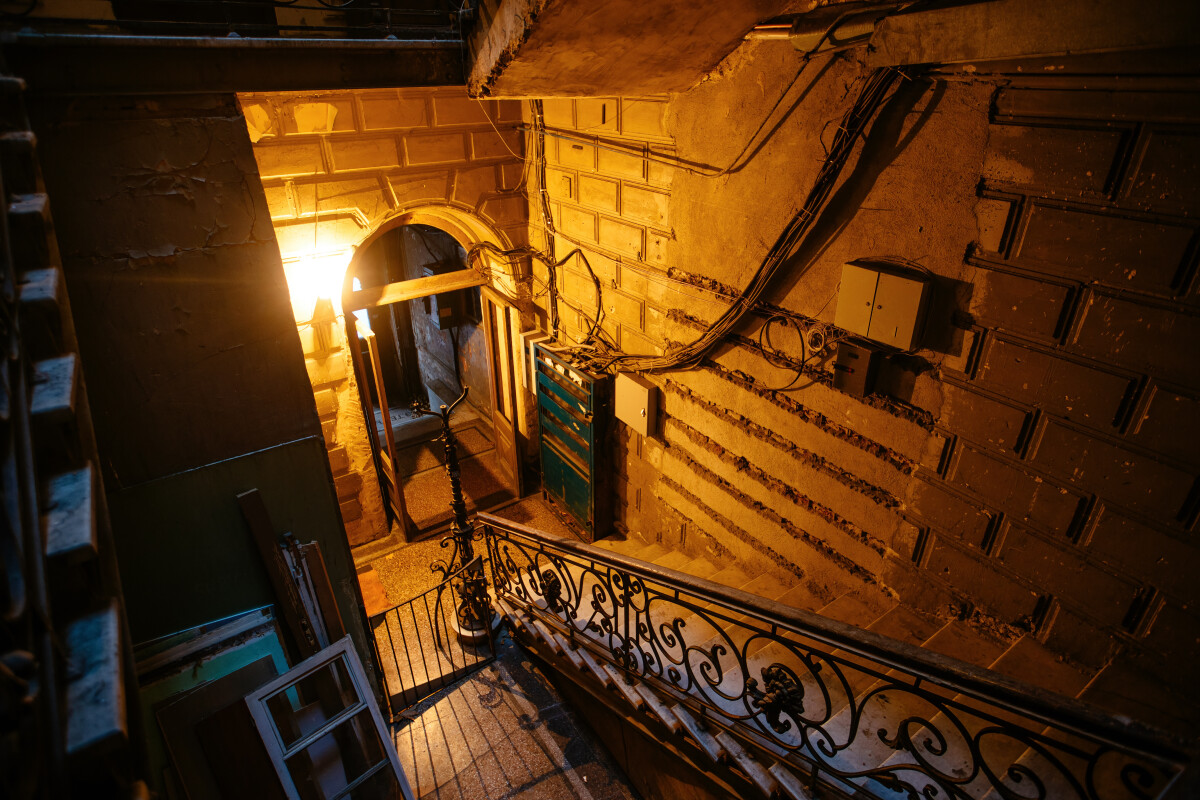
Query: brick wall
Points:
[1034, 465]
[339, 166]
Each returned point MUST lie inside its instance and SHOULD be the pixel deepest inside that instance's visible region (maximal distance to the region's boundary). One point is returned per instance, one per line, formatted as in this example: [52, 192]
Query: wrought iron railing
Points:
[422, 642]
[847, 709]
[352, 19]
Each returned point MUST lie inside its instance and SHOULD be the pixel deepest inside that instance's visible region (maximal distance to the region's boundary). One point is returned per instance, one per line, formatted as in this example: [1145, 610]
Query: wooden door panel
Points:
[499, 317]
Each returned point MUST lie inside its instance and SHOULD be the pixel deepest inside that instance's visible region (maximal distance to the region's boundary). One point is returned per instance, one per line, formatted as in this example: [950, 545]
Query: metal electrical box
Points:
[636, 402]
[883, 302]
[574, 410]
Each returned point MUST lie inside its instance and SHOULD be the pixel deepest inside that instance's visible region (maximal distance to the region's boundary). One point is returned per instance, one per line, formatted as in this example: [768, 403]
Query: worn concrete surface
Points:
[504, 733]
[551, 48]
[989, 476]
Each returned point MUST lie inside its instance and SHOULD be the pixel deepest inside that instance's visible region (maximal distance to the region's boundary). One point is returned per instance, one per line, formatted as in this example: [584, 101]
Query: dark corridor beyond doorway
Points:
[429, 350]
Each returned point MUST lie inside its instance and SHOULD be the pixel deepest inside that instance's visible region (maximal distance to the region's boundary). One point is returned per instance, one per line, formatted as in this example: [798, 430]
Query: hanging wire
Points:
[871, 96]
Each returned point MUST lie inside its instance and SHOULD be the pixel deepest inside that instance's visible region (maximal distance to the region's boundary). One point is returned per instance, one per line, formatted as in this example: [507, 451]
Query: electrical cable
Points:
[871, 96]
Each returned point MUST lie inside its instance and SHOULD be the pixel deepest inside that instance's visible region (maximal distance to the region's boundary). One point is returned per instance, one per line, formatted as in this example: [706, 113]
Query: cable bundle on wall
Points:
[601, 351]
[853, 124]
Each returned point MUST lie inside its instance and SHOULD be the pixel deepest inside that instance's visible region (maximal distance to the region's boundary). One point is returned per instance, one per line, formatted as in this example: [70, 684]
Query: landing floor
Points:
[503, 733]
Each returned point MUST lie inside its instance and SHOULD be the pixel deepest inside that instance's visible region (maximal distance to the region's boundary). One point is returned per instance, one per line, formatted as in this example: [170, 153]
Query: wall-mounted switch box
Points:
[882, 302]
[529, 340]
[636, 402]
[854, 369]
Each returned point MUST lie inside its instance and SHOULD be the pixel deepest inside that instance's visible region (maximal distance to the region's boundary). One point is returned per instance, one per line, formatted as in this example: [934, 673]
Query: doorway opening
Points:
[427, 349]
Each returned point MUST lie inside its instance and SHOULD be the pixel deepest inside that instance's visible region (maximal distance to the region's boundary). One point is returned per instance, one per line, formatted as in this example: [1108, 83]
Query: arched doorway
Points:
[424, 326]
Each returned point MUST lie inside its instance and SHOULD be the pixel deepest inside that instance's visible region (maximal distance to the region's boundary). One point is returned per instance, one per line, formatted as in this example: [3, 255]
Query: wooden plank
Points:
[318, 577]
[287, 596]
[179, 715]
[413, 289]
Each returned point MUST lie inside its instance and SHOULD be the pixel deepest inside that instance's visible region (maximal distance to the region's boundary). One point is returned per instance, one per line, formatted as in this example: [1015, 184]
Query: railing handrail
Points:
[1031, 701]
[440, 586]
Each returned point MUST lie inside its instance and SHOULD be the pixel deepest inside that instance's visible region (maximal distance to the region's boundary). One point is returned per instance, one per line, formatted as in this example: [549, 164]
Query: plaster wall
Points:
[194, 369]
[1021, 470]
[336, 168]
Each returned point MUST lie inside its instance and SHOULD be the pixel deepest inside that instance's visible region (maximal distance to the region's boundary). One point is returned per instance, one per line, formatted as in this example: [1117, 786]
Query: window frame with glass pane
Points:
[321, 715]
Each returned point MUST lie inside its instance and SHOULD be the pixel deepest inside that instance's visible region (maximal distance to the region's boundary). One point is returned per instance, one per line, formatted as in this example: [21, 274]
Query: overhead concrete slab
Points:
[558, 48]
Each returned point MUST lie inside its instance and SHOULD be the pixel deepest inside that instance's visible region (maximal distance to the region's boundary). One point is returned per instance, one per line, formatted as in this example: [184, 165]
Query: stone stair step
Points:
[1124, 690]
[905, 625]
[731, 576]
[647, 552]
[1029, 661]
[958, 640]
[626, 689]
[41, 300]
[674, 559]
[850, 610]
[55, 385]
[764, 780]
[18, 162]
[29, 230]
[800, 596]
[596, 669]
[789, 784]
[766, 585]
[703, 738]
[69, 519]
[656, 707]
[96, 714]
[12, 104]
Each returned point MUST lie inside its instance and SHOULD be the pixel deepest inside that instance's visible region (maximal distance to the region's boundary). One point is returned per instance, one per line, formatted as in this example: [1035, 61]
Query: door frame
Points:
[414, 289]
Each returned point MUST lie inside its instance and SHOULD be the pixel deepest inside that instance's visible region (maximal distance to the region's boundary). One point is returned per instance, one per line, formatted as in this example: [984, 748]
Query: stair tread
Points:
[732, 577]
[957, 640]
[36, 204]
[96, 692]
[850, 610]
[1127, 691]
[673, 559]
[54, 384]
[649, 552]
[1028, 660]
[800, 596]
[41, 287]
[765, 585]
[70, 519]
[905, 625]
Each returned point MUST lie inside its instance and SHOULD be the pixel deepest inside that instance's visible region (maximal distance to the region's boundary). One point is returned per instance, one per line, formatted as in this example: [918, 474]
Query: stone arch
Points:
[468, 229]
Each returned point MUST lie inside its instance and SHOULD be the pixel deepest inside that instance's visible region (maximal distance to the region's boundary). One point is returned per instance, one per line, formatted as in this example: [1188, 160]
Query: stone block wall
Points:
[1033, 466]
[339, 166]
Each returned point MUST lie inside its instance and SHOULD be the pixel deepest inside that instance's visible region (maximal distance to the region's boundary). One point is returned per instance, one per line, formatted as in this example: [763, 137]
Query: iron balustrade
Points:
[419, 641]
[341, 19]
[847, 709]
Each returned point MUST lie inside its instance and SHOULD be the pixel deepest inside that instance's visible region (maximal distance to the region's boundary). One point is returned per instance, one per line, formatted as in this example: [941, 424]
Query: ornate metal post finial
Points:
[474, 612]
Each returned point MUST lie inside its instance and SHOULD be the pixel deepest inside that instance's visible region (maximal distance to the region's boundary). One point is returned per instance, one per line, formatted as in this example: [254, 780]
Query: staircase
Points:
[791, 694]
[71, 690]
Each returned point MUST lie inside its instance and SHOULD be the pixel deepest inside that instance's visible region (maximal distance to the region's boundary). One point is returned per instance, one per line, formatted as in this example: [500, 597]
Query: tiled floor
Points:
[503, 733]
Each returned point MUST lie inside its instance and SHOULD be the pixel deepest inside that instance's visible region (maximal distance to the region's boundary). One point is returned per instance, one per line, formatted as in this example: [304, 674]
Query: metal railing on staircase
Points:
[805, 704]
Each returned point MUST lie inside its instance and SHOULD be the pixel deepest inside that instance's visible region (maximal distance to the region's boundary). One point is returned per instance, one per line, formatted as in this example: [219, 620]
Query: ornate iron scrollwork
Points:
[784, 693]
[862, 717]
[551, 590]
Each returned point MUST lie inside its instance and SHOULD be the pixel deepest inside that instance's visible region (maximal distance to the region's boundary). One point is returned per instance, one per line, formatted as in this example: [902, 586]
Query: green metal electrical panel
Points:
[575, 413]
